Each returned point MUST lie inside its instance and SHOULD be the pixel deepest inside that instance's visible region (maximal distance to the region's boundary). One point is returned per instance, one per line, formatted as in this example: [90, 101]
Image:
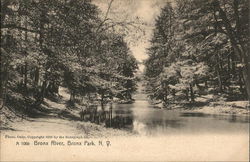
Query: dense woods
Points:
[200, 47]
[46, 44]
[147, 80]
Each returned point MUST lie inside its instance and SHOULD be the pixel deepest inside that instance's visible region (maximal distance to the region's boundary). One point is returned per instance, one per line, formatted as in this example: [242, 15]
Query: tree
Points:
[45, 44]
[225, 18]
[204, 36]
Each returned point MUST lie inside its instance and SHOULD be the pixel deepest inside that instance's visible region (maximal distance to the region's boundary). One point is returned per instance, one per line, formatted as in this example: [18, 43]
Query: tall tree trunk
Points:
[219, 80]
[42, 93]
[229, 63]
[187, 94]
[102, 101]
[25, 76]
[3, 87]
[1, 81]
[233, 63]
[110, 114]
[242, 90]
[26, 53]
[72, 96]
[4, 62]
[173, 93]
[36, 78]
[246, 77]
[4, 73]
[239, 48]
[191, 93]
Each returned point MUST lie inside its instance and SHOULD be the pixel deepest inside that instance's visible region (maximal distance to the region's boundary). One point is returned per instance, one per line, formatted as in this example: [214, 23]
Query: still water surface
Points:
[150, 121]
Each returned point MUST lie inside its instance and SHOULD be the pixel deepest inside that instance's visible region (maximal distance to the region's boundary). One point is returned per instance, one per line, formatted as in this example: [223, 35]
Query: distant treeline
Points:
[200, 47]
[50, 43]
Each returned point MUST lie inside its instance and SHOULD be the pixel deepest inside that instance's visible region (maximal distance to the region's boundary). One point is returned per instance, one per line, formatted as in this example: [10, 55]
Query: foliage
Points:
[198, 45]
[46, 44]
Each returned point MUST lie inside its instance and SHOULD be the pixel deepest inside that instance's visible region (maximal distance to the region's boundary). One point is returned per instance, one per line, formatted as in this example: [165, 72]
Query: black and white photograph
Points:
[124, 80]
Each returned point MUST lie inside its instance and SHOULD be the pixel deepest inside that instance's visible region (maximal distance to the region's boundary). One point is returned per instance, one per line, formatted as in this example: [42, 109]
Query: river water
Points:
[147, 120]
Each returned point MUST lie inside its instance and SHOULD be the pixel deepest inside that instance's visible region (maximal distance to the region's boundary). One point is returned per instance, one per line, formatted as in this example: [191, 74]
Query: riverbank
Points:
[55, 116]
[206, 105]
[230, 108]
[52, 125]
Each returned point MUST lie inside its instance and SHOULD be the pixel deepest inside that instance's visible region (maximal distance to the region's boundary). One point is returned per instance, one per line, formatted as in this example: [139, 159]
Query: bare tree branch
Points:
[106, 16]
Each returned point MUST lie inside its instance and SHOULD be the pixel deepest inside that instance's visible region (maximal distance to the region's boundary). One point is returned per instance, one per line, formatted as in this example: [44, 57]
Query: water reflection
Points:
[194, 114]
[232, 118]
[164, 123]
[123, 112]
[142, 118]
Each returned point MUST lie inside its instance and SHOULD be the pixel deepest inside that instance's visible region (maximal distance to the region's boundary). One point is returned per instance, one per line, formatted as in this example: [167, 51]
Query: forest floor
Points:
[56, 117]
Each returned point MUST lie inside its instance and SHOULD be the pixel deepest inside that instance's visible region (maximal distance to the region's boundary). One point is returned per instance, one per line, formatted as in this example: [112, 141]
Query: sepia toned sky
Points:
[128, 10]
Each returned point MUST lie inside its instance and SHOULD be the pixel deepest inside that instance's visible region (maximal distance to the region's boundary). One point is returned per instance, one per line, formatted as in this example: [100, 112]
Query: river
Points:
[147, 120]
